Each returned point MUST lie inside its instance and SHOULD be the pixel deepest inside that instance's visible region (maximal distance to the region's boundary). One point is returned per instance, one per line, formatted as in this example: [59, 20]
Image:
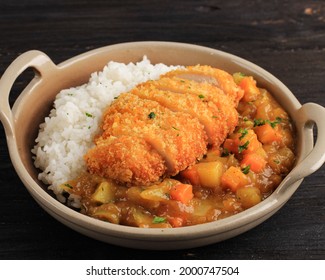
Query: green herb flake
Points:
[175, 128]
[158, 220]
[201, 96]
[89, 115]
[246, 169]
[68, 186]
[277, 121]
[241, 148]
[238, 76]
[259, 122]
[243, 132]
[241, 74]
[152, 115]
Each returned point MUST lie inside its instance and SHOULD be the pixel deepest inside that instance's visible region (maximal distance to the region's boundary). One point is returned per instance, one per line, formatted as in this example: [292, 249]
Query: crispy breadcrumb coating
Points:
[161, 127]
[178, 137]
[213, 76]
[215, 99]
[126, 159]
[215, 127]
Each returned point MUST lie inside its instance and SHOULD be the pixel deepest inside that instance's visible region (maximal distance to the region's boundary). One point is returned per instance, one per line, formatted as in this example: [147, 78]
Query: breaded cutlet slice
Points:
[179, 138]
[208, 74]
[126, 159]
[160, 128]
[215, 98]
[216, 129]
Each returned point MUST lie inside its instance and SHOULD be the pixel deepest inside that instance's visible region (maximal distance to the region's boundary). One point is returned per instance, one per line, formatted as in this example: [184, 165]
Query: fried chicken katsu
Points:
[168, 141]
[205, 74]
[161, 127]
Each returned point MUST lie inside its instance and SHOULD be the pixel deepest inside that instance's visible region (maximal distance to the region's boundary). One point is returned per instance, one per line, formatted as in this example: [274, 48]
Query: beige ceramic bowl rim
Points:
[310, 159]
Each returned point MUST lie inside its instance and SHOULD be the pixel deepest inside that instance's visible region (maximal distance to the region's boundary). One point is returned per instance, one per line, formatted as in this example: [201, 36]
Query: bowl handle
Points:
[308, 115]
[37, 60]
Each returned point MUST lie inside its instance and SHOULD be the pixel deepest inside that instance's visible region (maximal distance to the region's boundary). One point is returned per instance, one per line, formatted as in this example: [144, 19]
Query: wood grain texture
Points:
[287, 38]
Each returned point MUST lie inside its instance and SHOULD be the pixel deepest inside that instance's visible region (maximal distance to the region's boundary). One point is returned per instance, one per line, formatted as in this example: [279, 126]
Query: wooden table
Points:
[287, 38]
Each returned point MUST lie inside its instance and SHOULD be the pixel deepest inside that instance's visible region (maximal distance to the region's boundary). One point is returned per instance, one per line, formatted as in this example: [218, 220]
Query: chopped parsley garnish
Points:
[89, 115]
[241, 148]
[158, 220]
[152, 115]
[241, 74]
[277, 121]
[175, 128]
[246, 169]
[201, 96]
[243, 132]
[68, 186]
[238, 76]
[259, 122]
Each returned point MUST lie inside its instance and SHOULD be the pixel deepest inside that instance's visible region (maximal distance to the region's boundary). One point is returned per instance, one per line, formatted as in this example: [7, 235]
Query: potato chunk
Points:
[104, 192]
[210, 173]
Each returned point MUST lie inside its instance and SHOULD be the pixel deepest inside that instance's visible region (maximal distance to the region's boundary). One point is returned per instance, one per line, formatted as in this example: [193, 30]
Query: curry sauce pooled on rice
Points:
[166, 146]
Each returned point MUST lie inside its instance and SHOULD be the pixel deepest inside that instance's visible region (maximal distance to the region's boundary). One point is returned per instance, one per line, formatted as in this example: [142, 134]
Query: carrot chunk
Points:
[233, 179]
[191, 175]
[182, 193]
[251, 138]
[231, 145]
[176, 221]
[242, 142]
[251, 91]
[267, 134]
[255, 161]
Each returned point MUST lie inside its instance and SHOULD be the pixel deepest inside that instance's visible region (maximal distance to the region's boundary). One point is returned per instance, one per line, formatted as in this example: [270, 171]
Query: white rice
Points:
[67, 133]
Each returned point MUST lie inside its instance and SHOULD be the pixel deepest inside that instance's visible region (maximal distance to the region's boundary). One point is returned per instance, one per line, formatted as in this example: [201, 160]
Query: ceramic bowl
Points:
[21, 124]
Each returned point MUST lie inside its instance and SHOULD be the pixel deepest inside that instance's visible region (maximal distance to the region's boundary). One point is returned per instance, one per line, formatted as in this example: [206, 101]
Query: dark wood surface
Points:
[286, 37]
